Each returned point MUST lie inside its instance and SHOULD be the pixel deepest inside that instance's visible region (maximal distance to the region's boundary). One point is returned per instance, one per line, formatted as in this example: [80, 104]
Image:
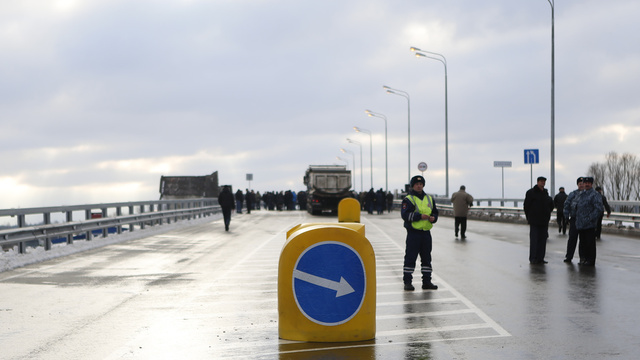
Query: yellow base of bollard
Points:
[327, 284]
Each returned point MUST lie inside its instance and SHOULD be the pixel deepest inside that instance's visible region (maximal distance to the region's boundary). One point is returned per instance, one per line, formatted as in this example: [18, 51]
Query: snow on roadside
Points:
[13, 259]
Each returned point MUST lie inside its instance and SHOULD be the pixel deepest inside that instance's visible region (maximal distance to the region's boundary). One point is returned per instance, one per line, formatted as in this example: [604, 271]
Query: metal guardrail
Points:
[617, 217]
[616, 205]
[141, 214]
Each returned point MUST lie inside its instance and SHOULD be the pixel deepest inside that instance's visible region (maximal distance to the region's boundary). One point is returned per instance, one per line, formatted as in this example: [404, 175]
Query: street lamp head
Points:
[357, 129]
[413, 48]
[385, 87]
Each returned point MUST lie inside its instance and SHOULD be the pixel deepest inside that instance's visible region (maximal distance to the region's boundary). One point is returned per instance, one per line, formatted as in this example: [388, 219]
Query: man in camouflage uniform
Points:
[588, 210]
[570, 214]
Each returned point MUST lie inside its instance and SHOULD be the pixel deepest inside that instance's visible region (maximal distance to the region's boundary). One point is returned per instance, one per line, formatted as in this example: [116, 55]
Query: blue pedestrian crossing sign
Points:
[531, 156]
[329, 283]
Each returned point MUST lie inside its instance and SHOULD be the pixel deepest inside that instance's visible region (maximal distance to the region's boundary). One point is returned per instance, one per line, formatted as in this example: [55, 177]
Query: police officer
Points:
[419, 213]
[588, 210]
[570, 207]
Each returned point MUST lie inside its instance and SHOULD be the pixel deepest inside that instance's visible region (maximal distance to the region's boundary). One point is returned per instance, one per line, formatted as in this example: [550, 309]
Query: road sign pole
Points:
[502, 164]
[503, 186]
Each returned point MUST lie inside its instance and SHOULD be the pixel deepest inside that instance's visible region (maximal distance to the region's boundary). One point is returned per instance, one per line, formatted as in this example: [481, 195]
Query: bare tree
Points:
[618, 176]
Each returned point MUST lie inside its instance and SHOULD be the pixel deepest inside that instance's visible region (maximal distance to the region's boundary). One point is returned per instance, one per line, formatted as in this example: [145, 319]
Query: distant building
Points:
[189, 187]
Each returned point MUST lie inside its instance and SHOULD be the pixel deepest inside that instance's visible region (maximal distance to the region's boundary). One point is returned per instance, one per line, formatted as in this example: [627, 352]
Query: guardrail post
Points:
[105, 231]
[142, 223]
[87, 216]
[160, 221]
[132, 225]
[47, 240]
[22, 246]
[167, 206]
[151, 208]
[69, 219]
[119, 213]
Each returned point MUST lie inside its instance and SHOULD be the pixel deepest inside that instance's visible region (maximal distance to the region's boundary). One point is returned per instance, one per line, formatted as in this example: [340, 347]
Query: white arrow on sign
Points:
[342, 288]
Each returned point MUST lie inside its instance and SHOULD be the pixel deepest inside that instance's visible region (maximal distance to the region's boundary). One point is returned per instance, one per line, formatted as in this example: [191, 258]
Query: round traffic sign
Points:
[329, 283]
[422, 166]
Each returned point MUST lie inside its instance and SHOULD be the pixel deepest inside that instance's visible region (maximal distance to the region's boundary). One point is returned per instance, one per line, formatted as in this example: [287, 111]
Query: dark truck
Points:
[326, 186]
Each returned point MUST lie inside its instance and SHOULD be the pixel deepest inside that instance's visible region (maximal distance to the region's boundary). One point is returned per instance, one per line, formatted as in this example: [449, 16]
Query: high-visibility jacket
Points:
[424, 206]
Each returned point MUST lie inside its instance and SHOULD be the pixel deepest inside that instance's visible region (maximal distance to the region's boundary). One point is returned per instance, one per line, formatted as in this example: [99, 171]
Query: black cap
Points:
[416, 179]
[542, 178]
[587, 179]
[580, 179]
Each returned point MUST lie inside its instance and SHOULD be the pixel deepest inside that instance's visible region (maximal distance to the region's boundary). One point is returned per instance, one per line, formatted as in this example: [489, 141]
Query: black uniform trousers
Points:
[562, 223]
[418, 243]
[587, 246]
[572, 241]
[538, 235]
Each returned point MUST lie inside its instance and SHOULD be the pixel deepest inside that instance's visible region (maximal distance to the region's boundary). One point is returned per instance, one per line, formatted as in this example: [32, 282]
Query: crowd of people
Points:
[377, 201]
[582, 211]
[270, 200]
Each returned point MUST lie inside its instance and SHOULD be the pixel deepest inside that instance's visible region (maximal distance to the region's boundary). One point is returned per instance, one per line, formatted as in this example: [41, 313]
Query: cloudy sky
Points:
[100, 98]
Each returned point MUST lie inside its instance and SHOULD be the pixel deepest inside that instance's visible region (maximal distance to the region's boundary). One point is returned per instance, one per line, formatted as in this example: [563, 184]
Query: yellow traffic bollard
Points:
[327, 283]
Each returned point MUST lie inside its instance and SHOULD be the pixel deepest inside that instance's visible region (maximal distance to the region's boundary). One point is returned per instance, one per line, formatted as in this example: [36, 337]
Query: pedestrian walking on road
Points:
[226, 202]
[248, 197]
[239, 201]
[588, 211]
[419, 213]
[570, 213]
[389, 201]
[461, 201]
[537, 208]
[558, 201]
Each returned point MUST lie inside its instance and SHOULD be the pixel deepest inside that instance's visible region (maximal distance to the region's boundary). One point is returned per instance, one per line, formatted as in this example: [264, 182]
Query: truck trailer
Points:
[326, 186]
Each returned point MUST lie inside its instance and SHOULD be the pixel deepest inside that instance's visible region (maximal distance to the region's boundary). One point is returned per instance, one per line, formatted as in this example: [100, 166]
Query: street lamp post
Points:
[345, 151]
[357, 129]
[386, 159]
[406, 96]
[343, 160]
[359, 144]
[553, 102]
[443, 60]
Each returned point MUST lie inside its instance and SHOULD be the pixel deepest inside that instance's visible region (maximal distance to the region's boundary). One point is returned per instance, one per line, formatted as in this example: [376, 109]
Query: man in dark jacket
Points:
[558, 201]
[538, 206]
[239, 201]
[248, 197]
[225, 200]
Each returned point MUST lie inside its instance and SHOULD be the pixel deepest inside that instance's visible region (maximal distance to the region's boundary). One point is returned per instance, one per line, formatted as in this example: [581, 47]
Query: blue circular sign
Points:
[329, 283]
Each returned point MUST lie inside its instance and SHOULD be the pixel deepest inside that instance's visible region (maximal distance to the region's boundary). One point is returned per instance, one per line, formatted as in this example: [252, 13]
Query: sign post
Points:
[502, 164]
[531, 156]
[249, 179]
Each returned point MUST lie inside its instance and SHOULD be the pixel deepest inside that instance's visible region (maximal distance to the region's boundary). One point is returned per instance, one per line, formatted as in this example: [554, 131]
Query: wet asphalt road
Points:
[201, 293]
